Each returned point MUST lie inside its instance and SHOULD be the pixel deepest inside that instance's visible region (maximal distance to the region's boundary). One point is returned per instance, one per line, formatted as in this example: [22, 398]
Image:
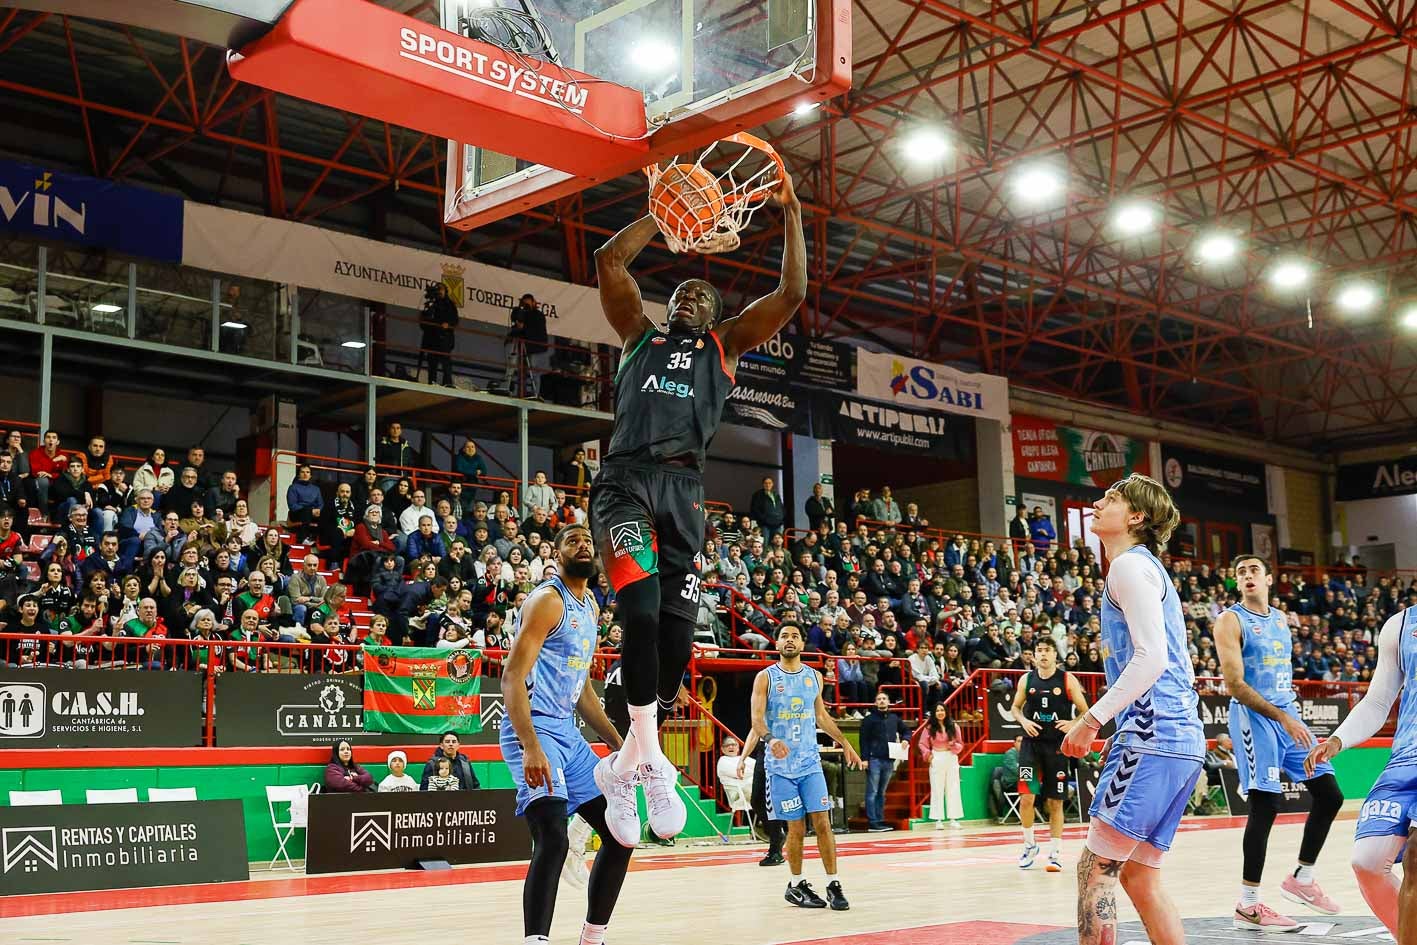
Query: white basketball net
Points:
[743, 187]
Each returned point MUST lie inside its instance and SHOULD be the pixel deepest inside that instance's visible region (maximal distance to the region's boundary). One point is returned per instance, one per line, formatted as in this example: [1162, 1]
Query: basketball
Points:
[686, 201]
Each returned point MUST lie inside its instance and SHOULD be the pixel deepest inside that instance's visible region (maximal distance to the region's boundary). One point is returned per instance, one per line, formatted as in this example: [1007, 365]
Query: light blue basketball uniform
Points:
[796, 784]
[1266, 750]
[554, 686]
[1158, 751]
[1391, 807]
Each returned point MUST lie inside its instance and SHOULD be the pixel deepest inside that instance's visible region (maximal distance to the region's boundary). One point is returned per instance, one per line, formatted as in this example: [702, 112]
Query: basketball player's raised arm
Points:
[767, 316]
[539, 614]
[827, 724]
[1136, 587]
[619, 293]
[1372, 710]
[1229, 642]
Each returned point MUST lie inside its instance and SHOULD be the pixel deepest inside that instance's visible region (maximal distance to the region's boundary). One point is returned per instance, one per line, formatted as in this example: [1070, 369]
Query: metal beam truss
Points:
[1288, 122]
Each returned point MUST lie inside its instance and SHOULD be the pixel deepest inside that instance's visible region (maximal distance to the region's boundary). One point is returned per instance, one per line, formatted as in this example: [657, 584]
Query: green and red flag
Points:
[422, 690]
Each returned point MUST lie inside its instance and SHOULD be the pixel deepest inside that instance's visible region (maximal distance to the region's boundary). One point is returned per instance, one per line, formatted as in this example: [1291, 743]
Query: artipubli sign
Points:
[99, 708]
[118, 846]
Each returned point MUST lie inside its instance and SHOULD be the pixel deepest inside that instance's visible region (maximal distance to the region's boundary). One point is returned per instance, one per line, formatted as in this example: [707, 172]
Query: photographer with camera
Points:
[527, 339]
[439, 318]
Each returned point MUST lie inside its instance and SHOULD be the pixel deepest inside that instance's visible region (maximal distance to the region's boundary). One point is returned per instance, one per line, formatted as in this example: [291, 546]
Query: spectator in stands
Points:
[576, 473]
[410, 516]
[425, 542]
[241, 526]
[368, 546]
[156, 477]
[527, 340]
[15, 446]
[225, 495]
[458, 563]
[344, 775]
[851, 689]
[271, 545]
[25, 618]
[1042, 530]
[47, 463]
[819, 509]
[81, 535]
[256, 597]
[187, 600]
[197, 459]
[363, 487]
[443, 779]
[306, 589]
[539, 494]
[766, 509]
[1020, 528]
[337, 524]
[927, 674]
[886, 508]
[70, 487]
[114, 496]
[185, 492]
[148, 626]
[202, 626]
[332, 622]
[135, 523]
[104, 560]
[12, 486]
[461, 768]
[879, 729]
[394, 453]
[397, 780]
[469, 464]
[304, 503]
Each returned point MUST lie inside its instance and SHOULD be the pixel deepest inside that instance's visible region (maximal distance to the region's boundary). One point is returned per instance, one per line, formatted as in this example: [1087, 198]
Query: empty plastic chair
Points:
[125, 795]
[35, 798]
[172, 794]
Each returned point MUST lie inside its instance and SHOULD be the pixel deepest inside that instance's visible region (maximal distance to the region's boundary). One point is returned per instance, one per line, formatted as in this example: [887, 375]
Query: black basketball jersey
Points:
[669, 397]
[1045, 701]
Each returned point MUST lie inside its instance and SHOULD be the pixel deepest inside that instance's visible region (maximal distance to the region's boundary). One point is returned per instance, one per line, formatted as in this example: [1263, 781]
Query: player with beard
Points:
[787, 710]
[1046, 695]
[646, 504]
[544, 684]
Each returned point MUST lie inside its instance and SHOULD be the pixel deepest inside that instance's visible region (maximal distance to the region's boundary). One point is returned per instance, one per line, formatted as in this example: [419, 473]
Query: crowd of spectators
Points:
[175, 553]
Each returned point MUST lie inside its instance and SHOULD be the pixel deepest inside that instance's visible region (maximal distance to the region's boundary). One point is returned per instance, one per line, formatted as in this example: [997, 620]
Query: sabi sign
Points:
[1044, 449]
[84, 708]
[71, 847]
[921, 385]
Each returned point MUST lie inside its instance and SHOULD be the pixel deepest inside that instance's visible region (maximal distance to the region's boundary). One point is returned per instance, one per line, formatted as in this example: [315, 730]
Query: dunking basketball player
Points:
[1157, 752]
[1254, 644]
[646, 504]
[1388, 818]
[1043, 706]
[544, 684]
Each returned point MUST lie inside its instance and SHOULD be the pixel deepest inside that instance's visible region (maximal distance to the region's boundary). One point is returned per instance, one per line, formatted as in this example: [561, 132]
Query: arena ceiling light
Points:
[233, 323]
[104, 308]
[925, 145]
[806, 108]
[653, 57]
[1136, 217]
[1037, 183]
[1356, 298]
[1217, 247]
[1290, 274]
[1409, 317]
[352, 344]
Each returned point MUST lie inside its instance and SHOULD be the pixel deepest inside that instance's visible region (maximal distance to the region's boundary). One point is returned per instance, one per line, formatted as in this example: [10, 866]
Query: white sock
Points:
[1055, 846]
[1028, 836]
[1249, 895]
[795, 877]
[642, 743]
[1304, 874]
[592, 934]
[627, 758]
[831, 878]
[535, 940]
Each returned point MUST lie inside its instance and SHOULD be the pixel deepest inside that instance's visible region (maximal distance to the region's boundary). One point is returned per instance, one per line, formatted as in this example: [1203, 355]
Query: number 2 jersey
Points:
[792, 718]
[669, 397]
[1265, 648]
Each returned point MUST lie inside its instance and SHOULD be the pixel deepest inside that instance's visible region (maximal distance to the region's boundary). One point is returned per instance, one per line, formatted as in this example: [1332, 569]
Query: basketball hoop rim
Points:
[747, 140]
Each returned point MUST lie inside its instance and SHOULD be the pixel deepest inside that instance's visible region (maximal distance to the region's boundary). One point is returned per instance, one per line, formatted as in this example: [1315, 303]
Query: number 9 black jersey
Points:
[669, 397]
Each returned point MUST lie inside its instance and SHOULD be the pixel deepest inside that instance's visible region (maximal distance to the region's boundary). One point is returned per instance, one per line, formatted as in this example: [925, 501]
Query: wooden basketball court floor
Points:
[920, 888]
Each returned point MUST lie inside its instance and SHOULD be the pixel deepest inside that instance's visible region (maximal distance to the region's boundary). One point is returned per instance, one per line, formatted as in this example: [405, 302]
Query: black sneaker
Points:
[803, 896]
[836, 898]
[772, 859]
[879, 828]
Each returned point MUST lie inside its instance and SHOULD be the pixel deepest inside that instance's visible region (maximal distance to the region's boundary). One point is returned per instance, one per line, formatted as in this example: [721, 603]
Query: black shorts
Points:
[648, 521]
[1044, 765]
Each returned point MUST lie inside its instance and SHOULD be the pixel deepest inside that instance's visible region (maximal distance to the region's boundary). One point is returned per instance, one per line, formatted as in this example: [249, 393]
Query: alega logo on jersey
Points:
[663, 385]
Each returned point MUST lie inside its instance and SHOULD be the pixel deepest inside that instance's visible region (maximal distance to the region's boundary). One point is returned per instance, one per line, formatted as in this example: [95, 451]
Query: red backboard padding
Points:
[366, 59]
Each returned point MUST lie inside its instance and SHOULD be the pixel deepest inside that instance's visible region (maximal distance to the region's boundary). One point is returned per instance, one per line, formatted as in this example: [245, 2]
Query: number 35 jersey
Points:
[669, 397]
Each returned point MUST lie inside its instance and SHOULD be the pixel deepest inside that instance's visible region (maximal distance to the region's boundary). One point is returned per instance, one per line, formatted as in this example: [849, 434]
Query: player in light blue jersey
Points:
[1254, 644]
[1388, 818]
[544, 684]
[1156, 755]
[787, 711]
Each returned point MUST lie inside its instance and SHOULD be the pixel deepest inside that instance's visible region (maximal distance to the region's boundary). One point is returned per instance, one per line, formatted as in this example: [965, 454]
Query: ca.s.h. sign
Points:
[919, 384]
